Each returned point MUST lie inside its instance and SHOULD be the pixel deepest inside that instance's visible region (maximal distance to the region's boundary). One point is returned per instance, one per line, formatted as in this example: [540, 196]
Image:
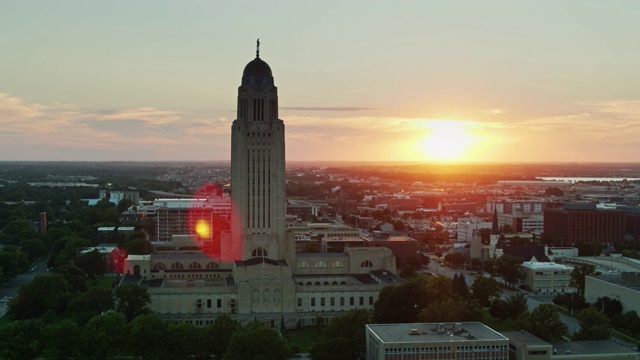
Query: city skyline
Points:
[423, 81]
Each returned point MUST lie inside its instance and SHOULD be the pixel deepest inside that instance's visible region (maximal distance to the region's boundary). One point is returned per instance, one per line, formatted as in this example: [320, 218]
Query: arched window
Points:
[159, 266]
[266, 296]
[195, 265]
[259, 252]
[366, 264]
[308, 283]
[317, 283]
[177, 266]
[343, 283]
[334, 283]
[212, 265]
[325, 283]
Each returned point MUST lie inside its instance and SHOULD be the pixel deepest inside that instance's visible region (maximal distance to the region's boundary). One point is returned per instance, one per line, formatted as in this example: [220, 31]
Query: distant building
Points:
[467, 340]
[466, 227]
[525, 346]
[624, 287]
[577, 223]
[546, 277]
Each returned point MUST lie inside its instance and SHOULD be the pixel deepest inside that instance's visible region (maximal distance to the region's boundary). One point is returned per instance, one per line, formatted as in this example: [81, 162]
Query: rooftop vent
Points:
[414, 332]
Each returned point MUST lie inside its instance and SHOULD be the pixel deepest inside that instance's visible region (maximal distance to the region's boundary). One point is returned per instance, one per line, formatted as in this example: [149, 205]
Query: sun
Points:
[203, 229]
[446, 140]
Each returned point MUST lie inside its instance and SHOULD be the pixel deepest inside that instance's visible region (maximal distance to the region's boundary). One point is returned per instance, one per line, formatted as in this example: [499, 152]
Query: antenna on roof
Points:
[258, 48]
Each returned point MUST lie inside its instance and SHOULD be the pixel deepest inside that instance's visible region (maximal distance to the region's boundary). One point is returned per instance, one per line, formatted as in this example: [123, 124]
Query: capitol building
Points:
[253, 271]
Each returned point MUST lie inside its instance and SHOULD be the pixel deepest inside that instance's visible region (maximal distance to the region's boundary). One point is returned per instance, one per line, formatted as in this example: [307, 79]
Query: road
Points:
[11, 288]
[533, 301]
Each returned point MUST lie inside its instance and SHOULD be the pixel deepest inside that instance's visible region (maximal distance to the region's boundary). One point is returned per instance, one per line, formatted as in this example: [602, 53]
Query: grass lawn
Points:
[301, 339]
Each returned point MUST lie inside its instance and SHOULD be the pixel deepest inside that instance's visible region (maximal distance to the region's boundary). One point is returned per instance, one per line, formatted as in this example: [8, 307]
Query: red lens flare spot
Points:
[209, 222]
[203, 229]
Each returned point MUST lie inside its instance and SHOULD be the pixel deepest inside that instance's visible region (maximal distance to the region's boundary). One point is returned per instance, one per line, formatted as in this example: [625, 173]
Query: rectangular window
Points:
[313, 301]
[342, 301]
[361, 300]
[208, 303]
[321, 301]
[199, 304]
[299, 301]
[370, 300]
[351, 301]
[333, 301]
[219, 303]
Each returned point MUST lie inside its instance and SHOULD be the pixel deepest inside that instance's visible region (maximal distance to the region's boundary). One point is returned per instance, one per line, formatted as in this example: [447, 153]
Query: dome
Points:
[256, 68]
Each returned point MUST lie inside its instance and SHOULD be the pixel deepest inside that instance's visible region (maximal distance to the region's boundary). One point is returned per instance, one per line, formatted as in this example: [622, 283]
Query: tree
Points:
[256, 341]
[543, 322]
[343, 337]
[131, 300]
[219, 334]
[152, 336]
[499, 309]
[23, 339]
[408, 272]
[13, 261]
[139, 246]
[91, 263]
[485, 290]
[610, 307]
[44, 295]
[509, 268]
[594, 325]
[439, 289]
[95, 301]
[517, 305]
[451, 310]
[459, 286]
[400, 303]
[553, 191]
[105, 337]
[63, 340]
[631, 322]
[578, 274]
[76, 278]
[34, 248]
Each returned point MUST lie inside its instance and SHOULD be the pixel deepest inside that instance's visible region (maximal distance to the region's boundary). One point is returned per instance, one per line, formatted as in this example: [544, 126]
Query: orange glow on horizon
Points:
[447, 140]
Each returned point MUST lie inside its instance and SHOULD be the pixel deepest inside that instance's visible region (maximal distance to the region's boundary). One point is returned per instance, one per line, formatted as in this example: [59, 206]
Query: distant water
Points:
[576, 179]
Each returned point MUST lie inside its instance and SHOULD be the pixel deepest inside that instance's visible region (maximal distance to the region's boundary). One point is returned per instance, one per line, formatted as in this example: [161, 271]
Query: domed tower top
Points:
[257, 67]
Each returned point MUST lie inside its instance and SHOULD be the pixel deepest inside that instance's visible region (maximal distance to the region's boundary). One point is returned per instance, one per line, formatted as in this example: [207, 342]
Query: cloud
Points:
[12, 107]
[327, 108]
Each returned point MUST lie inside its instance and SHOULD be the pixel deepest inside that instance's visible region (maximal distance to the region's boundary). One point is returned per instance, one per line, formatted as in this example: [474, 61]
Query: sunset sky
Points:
[357, 80]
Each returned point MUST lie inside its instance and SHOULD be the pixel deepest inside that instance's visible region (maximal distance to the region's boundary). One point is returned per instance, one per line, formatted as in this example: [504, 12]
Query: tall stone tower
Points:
[258, 167]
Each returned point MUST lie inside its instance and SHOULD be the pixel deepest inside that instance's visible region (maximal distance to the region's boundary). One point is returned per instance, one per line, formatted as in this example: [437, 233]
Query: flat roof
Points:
[524, 337]
[544, 265]
[428, 332]
[591, 347]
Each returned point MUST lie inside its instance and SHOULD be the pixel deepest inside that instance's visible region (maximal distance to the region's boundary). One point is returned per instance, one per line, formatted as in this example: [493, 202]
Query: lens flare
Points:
[203, 229]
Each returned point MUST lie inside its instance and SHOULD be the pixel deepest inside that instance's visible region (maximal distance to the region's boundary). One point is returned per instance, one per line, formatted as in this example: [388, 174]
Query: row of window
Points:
[334, 264]
[333, 300]
[180, 266]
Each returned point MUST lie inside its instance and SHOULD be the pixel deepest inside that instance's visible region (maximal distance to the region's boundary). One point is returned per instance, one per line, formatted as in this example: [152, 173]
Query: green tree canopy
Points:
[594, 325]
[44, 295]
[578, 274]
[219, 334]
[131, 300]
[343, 337]
[91, 263]
[544, 322]
[400, 303]
[485, 290]
[451, 310]
[256, 341]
